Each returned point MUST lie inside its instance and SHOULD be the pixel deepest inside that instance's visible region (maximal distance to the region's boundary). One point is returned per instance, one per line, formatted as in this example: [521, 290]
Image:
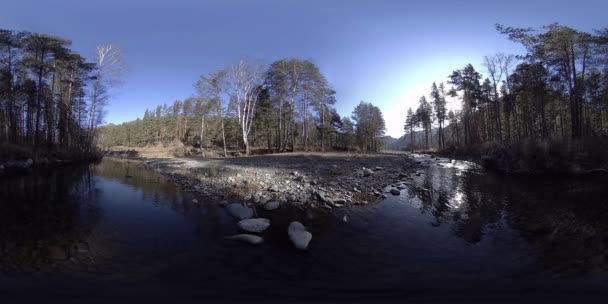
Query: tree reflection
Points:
[564, 218]
[43, 215]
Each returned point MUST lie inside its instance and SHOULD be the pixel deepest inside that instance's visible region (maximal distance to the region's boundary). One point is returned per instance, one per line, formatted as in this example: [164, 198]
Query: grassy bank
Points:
[576, 157]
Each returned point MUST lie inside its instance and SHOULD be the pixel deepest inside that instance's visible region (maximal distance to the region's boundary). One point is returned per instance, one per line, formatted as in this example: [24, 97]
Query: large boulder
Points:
[239, 211]
[254, 224]
[247, 238]
[298, 235]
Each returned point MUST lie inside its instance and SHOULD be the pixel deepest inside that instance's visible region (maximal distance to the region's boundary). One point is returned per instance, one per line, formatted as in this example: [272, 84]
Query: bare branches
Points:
[245, 80]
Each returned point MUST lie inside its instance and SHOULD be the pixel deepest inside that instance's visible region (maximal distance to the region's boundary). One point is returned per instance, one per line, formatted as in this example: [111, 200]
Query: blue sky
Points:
[384, 52]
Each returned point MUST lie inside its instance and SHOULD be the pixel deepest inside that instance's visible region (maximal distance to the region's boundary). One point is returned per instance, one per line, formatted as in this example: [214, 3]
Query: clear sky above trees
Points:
[386, 52]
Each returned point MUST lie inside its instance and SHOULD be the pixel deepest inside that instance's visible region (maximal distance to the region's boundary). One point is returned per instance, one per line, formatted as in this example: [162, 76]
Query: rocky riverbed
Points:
[307, 180]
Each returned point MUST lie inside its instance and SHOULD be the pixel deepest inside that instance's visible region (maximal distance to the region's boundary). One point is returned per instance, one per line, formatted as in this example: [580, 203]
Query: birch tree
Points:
[109, 68]
[245, 81]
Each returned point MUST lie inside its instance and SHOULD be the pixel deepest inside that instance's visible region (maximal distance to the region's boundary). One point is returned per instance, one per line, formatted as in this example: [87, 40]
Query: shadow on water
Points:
[454, 228]
[44, 216]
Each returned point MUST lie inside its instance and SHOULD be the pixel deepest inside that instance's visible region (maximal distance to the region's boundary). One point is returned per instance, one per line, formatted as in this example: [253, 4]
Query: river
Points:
[116, 230]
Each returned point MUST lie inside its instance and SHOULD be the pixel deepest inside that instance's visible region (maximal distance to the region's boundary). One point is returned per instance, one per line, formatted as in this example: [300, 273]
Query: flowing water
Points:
[116, 230]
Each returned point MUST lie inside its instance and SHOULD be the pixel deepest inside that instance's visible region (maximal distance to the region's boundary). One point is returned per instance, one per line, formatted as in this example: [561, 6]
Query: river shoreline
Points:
[322, 181]
[17, 167]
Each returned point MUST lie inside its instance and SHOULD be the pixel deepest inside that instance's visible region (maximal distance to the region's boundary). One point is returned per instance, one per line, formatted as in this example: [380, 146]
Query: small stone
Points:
[247, 238]
[294, 173]
[339, 201]
[321, 195]
[367, 172]
[239, 211]
[395, 192]
[298, 235]
[345, 219]
[254, 224]
[271, 206]
[194, 200]
[274, 188]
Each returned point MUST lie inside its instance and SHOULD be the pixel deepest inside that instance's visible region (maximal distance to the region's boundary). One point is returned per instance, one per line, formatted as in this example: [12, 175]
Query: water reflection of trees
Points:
[565, 219]
[151, 184]
[466, 200]
[43, 215]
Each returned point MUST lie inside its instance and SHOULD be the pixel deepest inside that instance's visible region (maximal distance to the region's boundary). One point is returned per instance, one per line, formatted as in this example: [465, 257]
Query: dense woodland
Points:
[51, 98]
[555, 93]
[286, 106]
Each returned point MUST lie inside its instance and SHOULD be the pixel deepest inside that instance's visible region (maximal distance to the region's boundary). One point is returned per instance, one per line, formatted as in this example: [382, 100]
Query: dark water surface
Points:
[116, 231]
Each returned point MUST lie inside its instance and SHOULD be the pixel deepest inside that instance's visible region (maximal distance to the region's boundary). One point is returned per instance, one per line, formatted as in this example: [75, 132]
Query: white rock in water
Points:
[247, 238]
[239, 211]
[345, 219]
[254, 224]
[271, 205]
[298, 235]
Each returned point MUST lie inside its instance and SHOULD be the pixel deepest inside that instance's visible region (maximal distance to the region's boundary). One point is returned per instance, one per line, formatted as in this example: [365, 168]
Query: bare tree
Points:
[109, 68]
[245, 81]
[493, 65]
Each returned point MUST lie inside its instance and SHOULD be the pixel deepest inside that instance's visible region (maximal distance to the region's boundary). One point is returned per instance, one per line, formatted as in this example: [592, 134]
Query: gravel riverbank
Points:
[308, 180]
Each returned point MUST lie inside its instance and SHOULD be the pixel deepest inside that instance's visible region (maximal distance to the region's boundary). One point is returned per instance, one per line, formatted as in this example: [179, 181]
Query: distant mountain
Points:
[389, 140]
[403, 142]
[398, 143]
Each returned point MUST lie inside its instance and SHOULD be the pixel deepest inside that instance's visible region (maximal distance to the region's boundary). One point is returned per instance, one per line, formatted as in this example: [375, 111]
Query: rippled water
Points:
[115, 229]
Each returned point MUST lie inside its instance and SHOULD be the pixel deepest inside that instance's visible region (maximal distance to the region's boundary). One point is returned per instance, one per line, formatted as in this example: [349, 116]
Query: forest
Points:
[553, 99]
[52, 98]
[286, 106]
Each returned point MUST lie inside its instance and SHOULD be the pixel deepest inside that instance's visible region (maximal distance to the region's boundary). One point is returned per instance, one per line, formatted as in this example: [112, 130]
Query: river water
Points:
[116, 230]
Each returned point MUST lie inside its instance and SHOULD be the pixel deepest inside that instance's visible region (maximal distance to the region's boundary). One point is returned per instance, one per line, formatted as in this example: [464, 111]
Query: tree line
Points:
[51, 97]
[556, 92]
[285, 106]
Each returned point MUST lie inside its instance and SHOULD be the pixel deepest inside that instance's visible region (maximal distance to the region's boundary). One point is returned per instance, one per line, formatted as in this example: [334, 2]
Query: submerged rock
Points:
[298, 235]
[254, 224]
[395, 192]
[271, 206]
[239, 211]
[247, 238]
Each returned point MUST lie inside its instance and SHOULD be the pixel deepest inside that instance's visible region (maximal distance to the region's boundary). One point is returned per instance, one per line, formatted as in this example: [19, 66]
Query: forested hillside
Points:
[286, 106]
[51, 98]
[552, 100]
